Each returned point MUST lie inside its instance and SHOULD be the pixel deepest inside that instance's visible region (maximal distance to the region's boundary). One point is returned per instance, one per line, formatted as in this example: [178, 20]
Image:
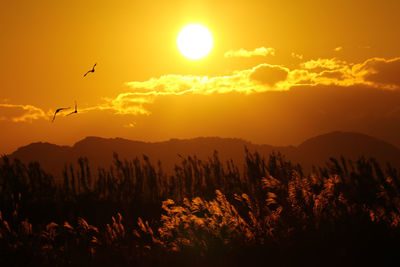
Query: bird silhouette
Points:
[58, 110]
[75, 111]
[92, 70]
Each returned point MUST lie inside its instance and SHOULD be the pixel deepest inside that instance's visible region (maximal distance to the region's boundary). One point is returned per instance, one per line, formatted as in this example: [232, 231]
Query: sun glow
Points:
[195, 41]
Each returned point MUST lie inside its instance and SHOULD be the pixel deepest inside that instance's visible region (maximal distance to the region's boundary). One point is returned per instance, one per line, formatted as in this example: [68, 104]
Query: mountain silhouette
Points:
[314, 151]
[350, 145]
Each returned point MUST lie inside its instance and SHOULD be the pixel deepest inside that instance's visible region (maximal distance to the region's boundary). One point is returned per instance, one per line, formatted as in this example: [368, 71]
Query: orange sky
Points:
[328, 65]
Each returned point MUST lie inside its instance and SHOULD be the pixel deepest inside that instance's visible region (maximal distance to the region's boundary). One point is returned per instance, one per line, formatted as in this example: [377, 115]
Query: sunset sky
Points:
[279, 71]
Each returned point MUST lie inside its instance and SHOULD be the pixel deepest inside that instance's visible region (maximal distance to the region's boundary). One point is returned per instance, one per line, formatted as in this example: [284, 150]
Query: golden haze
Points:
[263, 51]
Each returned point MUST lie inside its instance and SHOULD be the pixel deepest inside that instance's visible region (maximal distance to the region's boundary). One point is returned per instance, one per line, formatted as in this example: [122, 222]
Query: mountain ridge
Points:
[314, 151]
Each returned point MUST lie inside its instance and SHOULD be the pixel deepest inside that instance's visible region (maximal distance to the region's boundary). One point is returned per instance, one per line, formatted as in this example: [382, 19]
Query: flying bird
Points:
[58, 110]
[92, 70]
[75, 111]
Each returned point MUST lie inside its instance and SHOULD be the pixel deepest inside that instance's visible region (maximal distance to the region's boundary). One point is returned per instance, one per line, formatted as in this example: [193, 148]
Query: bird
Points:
[75, 111]
[92, 70]
[58, 110]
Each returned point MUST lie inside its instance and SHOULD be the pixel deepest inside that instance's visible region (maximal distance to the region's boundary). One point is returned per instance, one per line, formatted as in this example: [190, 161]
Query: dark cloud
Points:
[269, 74]
[332, 74]
[382, 71]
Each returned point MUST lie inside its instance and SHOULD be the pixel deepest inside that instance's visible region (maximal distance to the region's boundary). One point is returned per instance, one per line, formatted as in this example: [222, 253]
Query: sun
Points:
[195, 41]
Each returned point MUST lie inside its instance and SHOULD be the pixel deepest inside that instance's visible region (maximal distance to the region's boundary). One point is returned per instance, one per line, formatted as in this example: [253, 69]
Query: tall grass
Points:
[208, 212]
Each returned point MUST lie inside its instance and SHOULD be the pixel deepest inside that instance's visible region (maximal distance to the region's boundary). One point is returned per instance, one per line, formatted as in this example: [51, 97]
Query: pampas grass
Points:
[209, 211]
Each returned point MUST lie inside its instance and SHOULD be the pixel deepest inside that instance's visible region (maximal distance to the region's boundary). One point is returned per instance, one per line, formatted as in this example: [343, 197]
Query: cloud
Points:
[261, 78]
[269, 74]
[333, 75]
[298, 56]
[130, 125]
[261, 51]
[324, 63]
[139, 96]
[125, 103]
[380, 72]
[21, 113]
[337, 49]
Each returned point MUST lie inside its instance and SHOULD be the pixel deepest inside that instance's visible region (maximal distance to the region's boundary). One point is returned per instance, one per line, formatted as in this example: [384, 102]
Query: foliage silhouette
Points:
[208, 212]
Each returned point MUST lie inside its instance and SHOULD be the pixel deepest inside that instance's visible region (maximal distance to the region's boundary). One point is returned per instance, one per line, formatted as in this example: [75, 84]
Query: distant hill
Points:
[316, 150]
[99, 151]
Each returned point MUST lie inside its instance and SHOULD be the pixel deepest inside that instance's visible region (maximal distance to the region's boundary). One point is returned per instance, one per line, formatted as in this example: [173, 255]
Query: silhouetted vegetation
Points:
[207, 213]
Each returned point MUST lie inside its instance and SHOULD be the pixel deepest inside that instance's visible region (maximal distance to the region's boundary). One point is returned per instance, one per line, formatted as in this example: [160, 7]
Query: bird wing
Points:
[75, 111]
[86, 73]
[54, 117]
[58, 110]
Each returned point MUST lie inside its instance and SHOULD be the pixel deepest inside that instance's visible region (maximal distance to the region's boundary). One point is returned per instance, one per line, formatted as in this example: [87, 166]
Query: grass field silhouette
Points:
[209, 213]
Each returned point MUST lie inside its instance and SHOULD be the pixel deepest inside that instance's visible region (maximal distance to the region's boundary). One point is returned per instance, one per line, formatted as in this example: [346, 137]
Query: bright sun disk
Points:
[194, 41]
